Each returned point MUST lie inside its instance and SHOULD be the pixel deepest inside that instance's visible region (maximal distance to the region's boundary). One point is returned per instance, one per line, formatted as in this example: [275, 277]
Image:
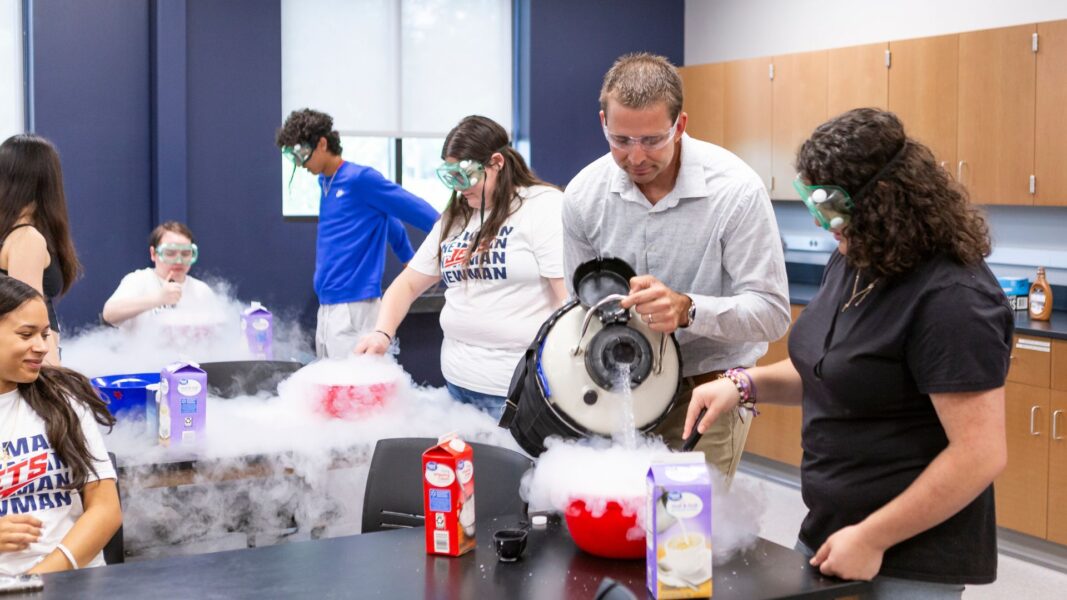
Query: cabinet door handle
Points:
[1055, 417]
[959, 171]
[1033, 415]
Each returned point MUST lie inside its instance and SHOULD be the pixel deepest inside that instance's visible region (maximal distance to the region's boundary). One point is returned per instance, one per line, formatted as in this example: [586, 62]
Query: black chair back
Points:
[394, 484]
[229, 379]
[115, 551]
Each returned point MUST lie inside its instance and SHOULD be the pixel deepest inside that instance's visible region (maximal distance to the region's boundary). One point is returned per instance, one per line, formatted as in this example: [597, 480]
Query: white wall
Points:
[719, 30]
[11, 91]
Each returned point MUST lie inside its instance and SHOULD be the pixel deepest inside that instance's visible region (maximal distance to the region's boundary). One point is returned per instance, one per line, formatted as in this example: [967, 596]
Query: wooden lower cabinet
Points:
[775, 434]
[1022, 489]
[1057, 469]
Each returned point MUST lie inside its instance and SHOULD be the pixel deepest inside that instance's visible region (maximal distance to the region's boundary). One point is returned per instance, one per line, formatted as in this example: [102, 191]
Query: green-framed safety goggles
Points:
[299, 153]
[461, 175]
[829, 204]
[177, 254]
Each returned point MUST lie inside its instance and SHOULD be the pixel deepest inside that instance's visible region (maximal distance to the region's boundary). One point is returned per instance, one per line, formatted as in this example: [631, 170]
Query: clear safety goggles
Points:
[829, 204]
[647, 142]
[461, 175]
[177, 254]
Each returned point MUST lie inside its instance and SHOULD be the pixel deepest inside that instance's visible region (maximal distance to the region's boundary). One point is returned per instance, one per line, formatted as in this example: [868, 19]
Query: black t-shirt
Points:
[870, 428]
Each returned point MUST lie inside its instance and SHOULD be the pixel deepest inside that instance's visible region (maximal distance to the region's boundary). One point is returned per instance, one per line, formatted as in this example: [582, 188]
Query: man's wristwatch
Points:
[692, 314]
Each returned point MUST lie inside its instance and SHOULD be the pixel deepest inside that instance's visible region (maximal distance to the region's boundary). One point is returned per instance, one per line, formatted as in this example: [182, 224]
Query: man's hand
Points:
[170, 294]
[658, 305]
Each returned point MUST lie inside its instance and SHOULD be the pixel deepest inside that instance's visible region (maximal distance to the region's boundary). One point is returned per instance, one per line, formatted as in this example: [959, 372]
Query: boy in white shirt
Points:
[145, 292]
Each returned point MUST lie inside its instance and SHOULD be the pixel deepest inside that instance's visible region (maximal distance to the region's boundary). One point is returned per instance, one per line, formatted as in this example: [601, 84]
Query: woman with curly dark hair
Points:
[899, 363]
[58, 502]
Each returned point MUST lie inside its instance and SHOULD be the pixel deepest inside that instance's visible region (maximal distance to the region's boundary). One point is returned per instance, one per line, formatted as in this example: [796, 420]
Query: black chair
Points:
[230, 379]
[114, 551]
[394, 484]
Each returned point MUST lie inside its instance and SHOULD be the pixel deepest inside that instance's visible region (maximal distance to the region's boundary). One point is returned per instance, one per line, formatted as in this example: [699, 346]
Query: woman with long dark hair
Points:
[58, 501]
[35, 242]
[498, 248]
[899, 363]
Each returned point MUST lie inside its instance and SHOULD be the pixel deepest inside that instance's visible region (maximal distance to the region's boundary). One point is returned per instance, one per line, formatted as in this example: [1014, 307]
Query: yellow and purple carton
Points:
[678, 527]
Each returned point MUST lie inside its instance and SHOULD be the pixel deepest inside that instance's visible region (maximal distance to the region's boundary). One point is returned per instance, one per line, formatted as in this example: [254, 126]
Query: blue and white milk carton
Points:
[678, 527]
[257, 323]
[182, 409]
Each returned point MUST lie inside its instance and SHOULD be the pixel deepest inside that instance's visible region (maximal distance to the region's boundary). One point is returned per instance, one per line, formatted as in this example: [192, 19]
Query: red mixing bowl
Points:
[614, 534]
[354, 401]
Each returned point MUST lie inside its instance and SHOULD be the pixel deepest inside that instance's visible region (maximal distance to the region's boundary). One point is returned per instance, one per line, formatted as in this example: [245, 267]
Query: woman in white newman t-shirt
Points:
[498, 248]
[59, 504]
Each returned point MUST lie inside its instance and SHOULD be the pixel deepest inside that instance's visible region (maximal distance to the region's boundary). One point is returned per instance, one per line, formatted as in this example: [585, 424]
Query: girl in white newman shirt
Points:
[59, 504]
[498, 248]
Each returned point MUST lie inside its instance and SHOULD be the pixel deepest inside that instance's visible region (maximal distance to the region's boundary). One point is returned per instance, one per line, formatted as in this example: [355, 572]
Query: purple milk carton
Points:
[678, 527]
[258, 326]
[182, 404]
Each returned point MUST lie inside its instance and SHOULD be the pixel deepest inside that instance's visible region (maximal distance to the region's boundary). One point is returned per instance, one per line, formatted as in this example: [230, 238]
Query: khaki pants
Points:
[721, 444]
[340, 326]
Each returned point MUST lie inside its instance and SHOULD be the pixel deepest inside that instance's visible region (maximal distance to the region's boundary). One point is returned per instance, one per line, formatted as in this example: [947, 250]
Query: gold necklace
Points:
[5, 455]
[858, 296]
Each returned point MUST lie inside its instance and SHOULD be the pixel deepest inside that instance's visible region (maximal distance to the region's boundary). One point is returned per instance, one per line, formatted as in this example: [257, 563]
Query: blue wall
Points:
[571, 46]
[234, 203]
[167, 109]
[91, 90]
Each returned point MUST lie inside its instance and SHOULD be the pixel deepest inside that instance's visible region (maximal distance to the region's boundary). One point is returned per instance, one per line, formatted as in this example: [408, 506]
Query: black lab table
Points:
[393, 564]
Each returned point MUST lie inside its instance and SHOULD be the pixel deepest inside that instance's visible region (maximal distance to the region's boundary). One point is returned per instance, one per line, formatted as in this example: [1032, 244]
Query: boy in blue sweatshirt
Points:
[360, 211]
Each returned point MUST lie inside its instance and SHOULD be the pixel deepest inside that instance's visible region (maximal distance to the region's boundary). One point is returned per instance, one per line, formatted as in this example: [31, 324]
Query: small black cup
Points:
[509, 544]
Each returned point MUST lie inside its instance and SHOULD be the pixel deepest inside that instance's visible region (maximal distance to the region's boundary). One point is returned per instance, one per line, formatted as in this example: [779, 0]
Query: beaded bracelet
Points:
[746, 390]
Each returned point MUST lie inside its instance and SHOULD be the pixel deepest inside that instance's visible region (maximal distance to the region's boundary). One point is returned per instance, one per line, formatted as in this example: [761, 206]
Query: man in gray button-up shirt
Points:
[696, 224]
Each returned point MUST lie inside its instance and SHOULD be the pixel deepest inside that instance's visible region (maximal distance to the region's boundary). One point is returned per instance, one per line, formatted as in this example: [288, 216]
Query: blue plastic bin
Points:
[127, 395]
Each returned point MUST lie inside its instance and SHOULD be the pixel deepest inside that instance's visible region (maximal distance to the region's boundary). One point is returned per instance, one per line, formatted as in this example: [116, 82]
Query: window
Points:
[396, 76]
[421, 157]
[12, 120]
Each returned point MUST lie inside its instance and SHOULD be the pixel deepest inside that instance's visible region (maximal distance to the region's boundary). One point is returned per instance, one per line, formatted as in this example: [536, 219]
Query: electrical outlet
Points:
[803, 243]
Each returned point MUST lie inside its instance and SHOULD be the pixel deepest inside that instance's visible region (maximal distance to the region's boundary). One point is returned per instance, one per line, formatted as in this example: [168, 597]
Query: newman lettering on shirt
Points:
[35, 479]
[488, 265]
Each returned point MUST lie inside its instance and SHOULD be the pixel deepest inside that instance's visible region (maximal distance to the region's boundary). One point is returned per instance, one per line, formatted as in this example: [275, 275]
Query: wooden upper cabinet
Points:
[799, 106]
[995, 153]
[703, 92]
[1051, 140]
[857, 77]
[923, 90]
[747, 130]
